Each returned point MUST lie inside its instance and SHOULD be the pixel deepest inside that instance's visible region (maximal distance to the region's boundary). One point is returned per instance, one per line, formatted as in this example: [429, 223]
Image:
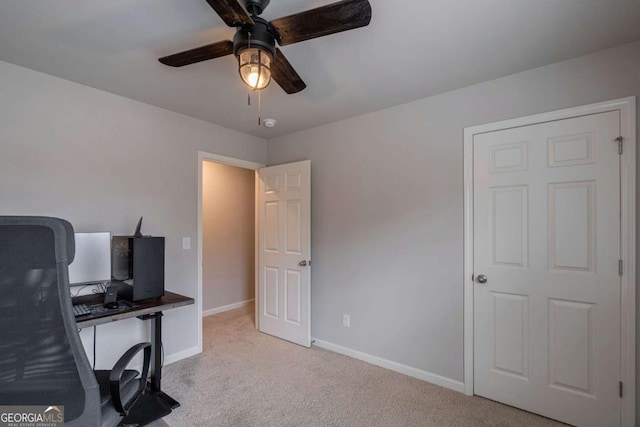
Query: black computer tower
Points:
[139, 263]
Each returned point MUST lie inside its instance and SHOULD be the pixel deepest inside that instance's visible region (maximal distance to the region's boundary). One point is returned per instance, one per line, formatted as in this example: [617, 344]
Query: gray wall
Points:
[102, 161]
[228, 224]
[386, 192]
[387, 206]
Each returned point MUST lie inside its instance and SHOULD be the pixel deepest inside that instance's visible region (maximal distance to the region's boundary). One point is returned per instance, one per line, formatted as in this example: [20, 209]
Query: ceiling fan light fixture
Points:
[262, 61]
[254, 66]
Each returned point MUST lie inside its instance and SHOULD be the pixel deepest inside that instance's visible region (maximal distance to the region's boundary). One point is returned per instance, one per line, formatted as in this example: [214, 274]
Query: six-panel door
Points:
[284, 297]
[547, 237]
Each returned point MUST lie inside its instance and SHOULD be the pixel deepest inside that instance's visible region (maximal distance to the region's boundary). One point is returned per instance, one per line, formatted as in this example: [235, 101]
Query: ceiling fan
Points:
[254, 44]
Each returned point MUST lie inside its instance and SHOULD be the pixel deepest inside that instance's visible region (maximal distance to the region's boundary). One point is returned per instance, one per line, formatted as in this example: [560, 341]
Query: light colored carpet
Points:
[245, 378]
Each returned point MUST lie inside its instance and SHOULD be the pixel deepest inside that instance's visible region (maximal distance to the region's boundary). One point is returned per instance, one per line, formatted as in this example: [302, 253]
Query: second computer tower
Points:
[139, 262]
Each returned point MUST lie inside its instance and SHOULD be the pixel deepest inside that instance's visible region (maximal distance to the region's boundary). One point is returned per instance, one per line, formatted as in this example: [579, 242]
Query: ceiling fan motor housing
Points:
[257, 36]
[256, 7]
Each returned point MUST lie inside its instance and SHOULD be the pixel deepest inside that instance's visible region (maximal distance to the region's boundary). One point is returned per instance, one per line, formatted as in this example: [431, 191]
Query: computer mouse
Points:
[111, 305]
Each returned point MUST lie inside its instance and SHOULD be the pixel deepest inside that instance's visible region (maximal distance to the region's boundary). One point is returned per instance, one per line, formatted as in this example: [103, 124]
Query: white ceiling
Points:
[411, 50]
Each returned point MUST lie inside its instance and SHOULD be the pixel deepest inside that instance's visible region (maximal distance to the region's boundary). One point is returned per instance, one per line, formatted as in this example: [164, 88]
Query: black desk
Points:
[144, 310]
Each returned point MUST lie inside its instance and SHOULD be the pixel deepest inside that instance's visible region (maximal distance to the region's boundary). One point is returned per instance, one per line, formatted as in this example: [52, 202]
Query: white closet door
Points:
[547, 240]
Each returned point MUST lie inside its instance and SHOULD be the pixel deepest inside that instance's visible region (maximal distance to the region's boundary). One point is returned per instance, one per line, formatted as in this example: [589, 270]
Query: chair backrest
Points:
[42, 361]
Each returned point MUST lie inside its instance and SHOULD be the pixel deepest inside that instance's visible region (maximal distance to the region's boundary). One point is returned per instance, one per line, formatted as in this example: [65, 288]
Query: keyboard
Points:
[81, 310]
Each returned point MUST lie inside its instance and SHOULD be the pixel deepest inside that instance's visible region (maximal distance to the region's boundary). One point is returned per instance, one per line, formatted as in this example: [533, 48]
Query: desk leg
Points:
[156, 357]
[154, 404]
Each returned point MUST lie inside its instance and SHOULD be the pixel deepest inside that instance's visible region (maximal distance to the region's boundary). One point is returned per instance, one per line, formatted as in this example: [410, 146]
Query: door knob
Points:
[303, 263]
[481, 278]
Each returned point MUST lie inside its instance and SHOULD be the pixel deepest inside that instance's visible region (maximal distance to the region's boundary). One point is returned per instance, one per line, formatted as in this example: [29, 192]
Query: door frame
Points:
[627, 109]
[231, 161]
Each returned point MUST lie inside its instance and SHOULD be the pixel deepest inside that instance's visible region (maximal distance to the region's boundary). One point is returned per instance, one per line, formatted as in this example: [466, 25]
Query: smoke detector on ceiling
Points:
[270, 123]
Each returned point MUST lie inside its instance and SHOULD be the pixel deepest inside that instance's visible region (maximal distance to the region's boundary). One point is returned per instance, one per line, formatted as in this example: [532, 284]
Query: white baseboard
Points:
[181, 355]
[393, 366]
[224, 308]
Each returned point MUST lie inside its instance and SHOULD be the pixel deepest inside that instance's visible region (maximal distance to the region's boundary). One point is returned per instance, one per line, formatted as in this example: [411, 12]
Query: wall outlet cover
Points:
[346, 320]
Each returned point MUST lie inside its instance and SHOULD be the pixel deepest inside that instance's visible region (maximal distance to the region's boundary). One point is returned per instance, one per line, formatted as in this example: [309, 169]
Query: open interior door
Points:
[284, 276]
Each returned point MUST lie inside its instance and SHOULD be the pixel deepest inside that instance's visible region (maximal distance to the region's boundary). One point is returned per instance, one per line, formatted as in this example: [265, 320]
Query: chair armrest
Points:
[118, 370]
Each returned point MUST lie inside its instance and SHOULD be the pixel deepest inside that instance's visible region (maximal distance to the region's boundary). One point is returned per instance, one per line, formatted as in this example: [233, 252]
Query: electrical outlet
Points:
[346, 320]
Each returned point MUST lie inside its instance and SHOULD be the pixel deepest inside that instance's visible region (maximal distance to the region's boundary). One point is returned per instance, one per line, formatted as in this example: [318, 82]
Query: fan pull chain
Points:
[249, 94]
[259, 110]
[249, 47]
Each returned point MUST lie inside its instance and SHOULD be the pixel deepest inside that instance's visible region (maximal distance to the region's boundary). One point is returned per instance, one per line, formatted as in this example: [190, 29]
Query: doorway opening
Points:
[226, 235]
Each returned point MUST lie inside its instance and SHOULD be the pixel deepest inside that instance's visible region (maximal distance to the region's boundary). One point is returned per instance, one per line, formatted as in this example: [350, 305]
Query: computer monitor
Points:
[92, 263]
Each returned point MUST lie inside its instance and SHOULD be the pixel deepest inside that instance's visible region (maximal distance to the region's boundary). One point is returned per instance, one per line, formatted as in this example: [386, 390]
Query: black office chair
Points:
[42, 361]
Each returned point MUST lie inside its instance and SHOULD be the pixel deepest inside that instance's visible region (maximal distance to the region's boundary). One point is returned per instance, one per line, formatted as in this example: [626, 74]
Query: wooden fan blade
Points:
[284, 74]
[231, 12]
[322, 21]
[199, 54]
